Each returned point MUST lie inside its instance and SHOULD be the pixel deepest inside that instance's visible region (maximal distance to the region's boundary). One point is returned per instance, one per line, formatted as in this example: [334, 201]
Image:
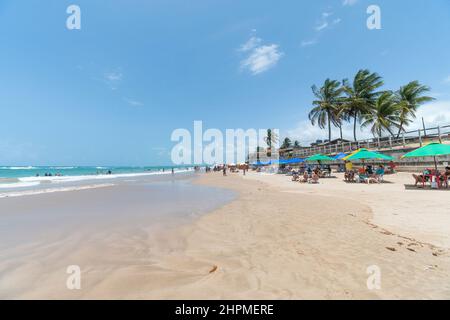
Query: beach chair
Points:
[363, 178]
[380, 178]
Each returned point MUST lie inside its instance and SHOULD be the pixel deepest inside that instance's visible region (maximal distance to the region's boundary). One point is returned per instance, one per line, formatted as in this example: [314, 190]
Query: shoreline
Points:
[31, 183]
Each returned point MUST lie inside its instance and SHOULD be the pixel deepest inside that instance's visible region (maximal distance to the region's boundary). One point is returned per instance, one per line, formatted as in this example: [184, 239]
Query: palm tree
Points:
[258, 150]
[324, 108]
[409, 98]
[361, 95]
[385, 116]
[270, 139]
[286, 143]
[340, 115]
[296, 144]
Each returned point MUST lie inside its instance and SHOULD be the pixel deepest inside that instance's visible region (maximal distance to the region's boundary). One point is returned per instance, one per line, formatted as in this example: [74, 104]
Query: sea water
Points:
[30, 177]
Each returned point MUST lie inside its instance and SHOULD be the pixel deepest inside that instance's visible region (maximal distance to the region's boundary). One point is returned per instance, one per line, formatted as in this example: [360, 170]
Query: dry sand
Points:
[278, 240]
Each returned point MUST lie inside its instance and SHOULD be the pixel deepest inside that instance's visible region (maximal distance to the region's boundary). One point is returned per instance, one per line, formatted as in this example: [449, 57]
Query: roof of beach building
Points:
[331, 142]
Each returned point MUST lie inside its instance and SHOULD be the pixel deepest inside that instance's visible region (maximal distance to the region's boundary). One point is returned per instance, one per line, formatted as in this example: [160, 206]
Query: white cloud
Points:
[324, 22]
[113, 76]
[434, 113]
[112, 79]
[321, 26]
[307, 43]
[306, 133]
[250, 44]
[133, 102]
[260, 57]
[349, 2]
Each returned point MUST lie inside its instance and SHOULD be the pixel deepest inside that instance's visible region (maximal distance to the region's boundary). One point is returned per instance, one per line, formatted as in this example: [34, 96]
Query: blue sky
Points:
[112, 92]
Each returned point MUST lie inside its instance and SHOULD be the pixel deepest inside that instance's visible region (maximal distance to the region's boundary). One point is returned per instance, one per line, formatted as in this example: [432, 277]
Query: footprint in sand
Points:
[431, 267]
[214, 269]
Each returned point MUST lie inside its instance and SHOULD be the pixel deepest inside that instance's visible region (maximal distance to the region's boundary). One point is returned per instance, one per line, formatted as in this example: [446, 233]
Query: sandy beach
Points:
[277, 240]
[291, 241]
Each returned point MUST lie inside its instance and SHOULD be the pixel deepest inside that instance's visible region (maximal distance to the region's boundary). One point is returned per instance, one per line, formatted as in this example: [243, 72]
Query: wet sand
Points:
[100, 229]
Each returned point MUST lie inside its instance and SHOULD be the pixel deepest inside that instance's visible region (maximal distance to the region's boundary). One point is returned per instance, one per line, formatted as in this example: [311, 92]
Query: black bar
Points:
[232, 309]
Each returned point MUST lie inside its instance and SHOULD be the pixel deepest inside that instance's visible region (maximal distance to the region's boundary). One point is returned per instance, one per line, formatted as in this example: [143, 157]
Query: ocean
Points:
[26, 177]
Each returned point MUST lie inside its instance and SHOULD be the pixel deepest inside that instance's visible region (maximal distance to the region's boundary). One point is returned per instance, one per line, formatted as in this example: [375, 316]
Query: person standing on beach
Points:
[172, 171]
[348, 166]
[224, 170]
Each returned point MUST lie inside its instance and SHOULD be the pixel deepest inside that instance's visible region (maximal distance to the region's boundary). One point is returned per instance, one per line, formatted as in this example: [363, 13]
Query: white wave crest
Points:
[18, 168]
[52, 190]
[15, 185]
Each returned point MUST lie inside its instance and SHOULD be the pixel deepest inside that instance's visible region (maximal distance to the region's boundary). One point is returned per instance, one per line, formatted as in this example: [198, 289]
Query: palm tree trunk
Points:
[400, 128]
[354, 128]
[340, 130]
[390, 131]
[329, 127]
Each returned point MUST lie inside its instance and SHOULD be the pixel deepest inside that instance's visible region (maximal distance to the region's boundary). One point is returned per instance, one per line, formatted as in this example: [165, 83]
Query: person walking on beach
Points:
[172, 171]
[224, 170]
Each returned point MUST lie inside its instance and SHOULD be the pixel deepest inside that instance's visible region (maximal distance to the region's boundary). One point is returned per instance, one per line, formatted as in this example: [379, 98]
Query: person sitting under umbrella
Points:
[444, 176]
[447, 175]
[378, 175]
[362, 175]
[314, 178]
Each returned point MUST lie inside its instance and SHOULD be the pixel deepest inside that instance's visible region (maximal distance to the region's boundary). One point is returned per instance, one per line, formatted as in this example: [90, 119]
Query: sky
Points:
[112, 92]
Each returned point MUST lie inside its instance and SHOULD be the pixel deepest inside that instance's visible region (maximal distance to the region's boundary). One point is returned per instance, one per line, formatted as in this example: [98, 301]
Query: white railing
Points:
[406, 140]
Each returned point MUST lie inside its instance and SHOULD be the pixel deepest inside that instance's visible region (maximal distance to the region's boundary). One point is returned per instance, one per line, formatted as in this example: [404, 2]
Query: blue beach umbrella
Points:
[296, 160]
[340, 156]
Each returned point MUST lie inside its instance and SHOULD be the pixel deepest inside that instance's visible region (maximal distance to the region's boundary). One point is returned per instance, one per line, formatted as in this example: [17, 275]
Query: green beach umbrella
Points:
[430, 150]
[319, 157]
[364, 154]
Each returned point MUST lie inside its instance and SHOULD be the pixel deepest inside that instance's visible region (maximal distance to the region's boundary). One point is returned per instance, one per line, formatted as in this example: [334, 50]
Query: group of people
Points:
[49, 174]
[435, 177]
[365, 174]
[310, 175]
[231, 168]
